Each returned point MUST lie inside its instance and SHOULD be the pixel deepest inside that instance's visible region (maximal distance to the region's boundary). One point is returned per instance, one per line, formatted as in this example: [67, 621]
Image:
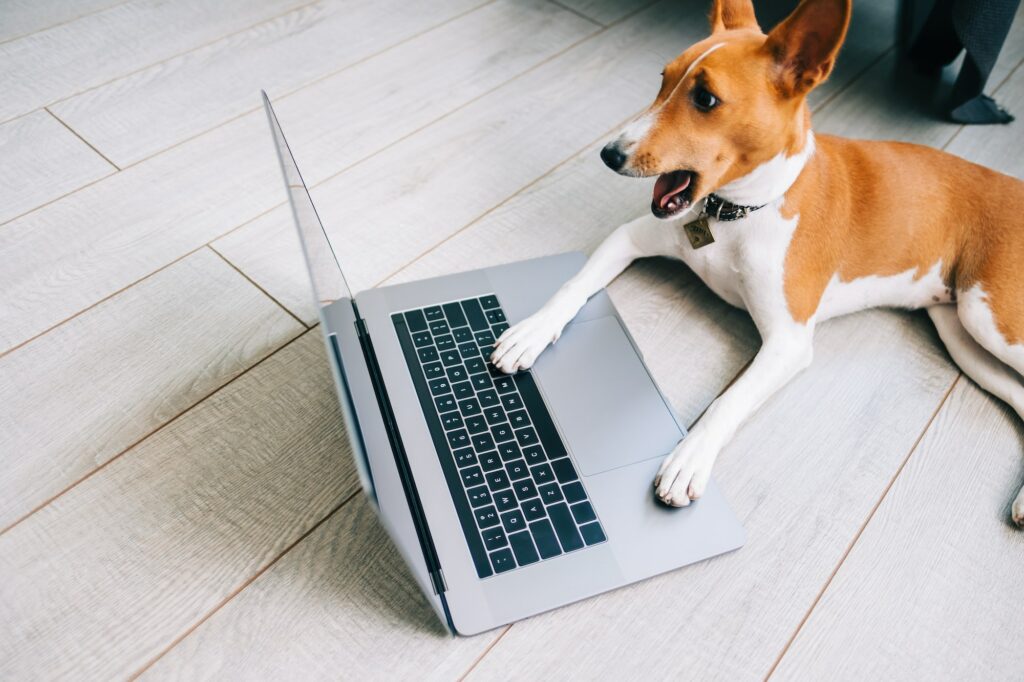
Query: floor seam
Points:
[84, 141]
[253, 282]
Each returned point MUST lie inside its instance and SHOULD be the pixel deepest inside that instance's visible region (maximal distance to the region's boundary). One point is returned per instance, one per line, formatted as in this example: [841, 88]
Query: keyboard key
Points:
[490, 461]
[433, 313]
[464, 457]
[592, 533]
[583, 513]
[497, 480]
[488, 399]
[495, 316]
[434, 370]
[494, 415]
[517, 470]
[471, 476]
[445, 403]
[486, 517]
[511, 401]
[489, 302]
[502, 560]
[505, 501]
[438, 328]
[499, 329]
[462, 334]
[450, 357]
[533, 510]
[456, 374]
[458, 439]
[494, 538]
[565, 527]
[438, 386]
[475, 424]
[469, 407]
[574, 492]
[525, 489]
[475, 365]
[453, 311]
[518, 419]
[444, 342]
[428, 354]
[481, 382]
[504, 384]
[542, 474]
[484, 339]
[509, 451]
[513, 521]
[463, 390]
[522, 545]
[416, 321]
[469, 350]
[483, 441]
[488, 351]
[550, 493]
[564, 470]
[451, 420]
[420, 339]
[534, 454]
[502, 433]
[479, 496]
[475, 314]
[544, 536]
[526, 437]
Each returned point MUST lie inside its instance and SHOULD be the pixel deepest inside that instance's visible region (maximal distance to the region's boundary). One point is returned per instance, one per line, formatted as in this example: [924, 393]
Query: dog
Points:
[797, 228]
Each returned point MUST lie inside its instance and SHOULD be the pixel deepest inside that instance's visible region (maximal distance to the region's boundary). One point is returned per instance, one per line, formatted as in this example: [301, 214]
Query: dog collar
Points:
[718, 208]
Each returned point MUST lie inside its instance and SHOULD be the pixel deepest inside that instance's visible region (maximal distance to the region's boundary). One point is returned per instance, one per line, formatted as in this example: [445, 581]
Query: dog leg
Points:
[520, 345]
[985, 369]
[684, 474]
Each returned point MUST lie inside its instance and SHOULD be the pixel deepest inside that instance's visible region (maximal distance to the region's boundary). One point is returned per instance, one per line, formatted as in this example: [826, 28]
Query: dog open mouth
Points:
[672, 193]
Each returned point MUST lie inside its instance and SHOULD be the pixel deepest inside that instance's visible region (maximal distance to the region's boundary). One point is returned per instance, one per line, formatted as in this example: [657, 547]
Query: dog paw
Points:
[684, 475]
[520, 345]
[1017, 510]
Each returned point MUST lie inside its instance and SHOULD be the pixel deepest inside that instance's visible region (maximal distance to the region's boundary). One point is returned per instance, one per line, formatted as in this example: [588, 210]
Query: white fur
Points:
[770, 180]
[905, 290]
[977, 318]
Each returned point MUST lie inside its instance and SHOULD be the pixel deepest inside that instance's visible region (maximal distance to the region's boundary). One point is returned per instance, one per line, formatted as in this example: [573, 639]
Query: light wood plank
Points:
[93, 387]
[102, 580]
[136, 116]
[41, 160]
[21, 17]
[998, 147]
[49, 65]
[197, 191]
[933, 588]
[605, 12]
[340, 604]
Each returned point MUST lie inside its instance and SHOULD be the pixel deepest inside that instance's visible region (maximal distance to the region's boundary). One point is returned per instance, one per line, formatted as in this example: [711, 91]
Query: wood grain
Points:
[933, 588]
[89, 245]
[148, 354]
[997, 147]
[22, 17]
[68, 58]
[41, 160]
[102, 580]
[138, 115]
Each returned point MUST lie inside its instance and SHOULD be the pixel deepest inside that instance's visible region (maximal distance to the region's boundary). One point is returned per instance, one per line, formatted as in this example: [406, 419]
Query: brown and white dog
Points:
[824, 233]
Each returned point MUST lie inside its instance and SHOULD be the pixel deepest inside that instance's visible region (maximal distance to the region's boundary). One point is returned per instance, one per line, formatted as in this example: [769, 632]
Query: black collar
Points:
[718, 208]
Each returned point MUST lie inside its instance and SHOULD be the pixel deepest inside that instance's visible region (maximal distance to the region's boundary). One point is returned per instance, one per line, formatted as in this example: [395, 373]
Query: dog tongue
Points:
[669, 185]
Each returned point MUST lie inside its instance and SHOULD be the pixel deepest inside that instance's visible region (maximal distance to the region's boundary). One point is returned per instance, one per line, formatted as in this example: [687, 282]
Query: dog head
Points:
[731, 102]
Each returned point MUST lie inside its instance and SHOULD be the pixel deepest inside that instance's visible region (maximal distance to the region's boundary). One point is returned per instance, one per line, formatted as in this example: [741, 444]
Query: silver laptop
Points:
[507, 495]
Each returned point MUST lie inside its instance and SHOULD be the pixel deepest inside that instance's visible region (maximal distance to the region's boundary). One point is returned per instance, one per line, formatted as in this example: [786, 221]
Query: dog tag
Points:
[699, 233]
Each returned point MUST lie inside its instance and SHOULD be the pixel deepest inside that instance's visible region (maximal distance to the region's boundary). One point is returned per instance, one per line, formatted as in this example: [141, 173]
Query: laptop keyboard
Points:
[517, 493]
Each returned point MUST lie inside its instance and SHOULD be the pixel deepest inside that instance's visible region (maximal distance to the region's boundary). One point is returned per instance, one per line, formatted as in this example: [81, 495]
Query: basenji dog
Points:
[797, 228]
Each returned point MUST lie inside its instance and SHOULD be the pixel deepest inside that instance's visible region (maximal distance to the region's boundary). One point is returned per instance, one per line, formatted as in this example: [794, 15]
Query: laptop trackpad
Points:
[603, 399]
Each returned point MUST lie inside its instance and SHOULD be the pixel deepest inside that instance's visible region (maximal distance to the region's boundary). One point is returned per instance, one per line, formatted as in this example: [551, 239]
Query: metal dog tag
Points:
[699, 233]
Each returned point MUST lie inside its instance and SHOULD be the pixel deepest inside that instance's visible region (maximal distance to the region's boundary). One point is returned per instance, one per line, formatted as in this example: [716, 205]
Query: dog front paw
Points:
[520, 345]
[684, 475]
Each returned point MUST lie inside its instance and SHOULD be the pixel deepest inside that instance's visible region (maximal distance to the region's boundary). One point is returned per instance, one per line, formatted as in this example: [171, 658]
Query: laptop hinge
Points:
[412, 495]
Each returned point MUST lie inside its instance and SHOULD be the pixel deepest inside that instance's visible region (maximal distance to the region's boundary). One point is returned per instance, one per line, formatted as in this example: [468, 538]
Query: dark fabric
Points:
[980, 28]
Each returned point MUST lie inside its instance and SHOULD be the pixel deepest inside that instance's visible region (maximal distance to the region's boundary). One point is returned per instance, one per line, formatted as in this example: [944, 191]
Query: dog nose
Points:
[613, 156]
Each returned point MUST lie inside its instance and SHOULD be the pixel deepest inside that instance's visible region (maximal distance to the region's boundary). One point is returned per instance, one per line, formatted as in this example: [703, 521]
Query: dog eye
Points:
[704, 100]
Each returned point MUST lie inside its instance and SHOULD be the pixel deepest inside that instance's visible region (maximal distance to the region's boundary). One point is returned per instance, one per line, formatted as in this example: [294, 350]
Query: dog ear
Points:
[727, 14]
[805, 45]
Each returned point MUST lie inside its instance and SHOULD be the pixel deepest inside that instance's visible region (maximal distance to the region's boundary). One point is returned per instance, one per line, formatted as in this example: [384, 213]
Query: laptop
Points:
[506, 495]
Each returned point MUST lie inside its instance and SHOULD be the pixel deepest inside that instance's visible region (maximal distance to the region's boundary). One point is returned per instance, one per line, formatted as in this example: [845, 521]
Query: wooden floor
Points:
[176, 495]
